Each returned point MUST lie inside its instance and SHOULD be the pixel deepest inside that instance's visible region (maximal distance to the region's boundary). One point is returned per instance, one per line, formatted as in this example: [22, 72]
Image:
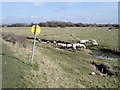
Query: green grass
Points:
[12, 68]
[53, 67]
[69, 69]
[105, 38]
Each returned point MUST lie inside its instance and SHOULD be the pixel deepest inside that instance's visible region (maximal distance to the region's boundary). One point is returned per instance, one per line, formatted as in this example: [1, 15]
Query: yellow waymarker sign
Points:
[37, 29]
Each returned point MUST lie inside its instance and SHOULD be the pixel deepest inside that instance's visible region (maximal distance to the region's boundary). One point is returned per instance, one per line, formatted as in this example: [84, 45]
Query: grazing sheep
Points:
[93, 41]
[95, 44]
[61, 45]
[78, 45]
[39, 40]
[54, 42]
[69, 46]
[82, 46]
[58, 44]
[84, 41]
[74, 46]
[92, 73]
[48, 42]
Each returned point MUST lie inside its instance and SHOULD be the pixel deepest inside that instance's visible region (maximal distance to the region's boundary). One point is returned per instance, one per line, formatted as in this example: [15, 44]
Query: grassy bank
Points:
[52, 67]
[13, 67]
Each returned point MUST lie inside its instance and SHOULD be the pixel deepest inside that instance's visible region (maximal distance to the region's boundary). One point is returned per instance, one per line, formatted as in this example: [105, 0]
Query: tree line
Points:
[62, 24]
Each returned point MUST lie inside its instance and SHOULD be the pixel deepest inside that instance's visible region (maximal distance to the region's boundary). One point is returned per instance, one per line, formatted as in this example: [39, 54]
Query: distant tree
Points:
[19, 25]
[63, 25]
[31, 24]
[94, 25]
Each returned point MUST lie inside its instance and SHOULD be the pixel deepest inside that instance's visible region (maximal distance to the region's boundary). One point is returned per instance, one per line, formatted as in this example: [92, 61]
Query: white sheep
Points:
[74, 46]
[54, 42]
[92, 41]
[39, 40]
[92, 73]
[69, 45]
[61, 45]
[95, 44]
[84, 41]
[48, 42]
[58, 44]
[80, 45]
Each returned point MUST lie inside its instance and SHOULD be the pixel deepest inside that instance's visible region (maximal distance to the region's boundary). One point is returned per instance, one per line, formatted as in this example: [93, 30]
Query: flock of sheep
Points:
[74, 46]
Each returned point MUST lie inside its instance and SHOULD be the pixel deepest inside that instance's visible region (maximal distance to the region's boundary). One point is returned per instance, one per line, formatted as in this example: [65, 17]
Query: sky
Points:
[84, 12]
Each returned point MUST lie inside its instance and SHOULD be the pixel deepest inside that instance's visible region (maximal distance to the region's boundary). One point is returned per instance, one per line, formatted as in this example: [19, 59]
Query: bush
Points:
[15, 39]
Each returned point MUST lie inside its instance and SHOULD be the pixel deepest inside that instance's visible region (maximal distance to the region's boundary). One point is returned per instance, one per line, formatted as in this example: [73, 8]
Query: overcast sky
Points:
[84, 12]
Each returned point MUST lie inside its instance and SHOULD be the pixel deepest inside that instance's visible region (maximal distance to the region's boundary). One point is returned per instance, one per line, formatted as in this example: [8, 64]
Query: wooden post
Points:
[33, 49]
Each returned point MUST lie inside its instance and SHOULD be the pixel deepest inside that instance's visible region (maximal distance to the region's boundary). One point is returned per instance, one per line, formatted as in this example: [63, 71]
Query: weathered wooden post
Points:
[35, 30]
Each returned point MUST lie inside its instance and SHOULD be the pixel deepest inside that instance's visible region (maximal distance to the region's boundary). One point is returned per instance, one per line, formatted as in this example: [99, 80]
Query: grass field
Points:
[101, 34]
[54, 67]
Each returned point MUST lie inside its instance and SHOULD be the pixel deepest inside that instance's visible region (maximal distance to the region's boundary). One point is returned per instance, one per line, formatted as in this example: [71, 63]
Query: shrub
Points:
[15, 39]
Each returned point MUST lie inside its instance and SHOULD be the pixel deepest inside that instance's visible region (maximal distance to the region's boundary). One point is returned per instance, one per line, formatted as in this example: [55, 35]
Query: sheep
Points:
[48, 42]
[95, 44]
[39, 40]
[92, 73]
[54, 42]
[84, 41]
[61, 45]
[58, 44]
[93, 41]
[69, 45]
[82, 46]
[78, 45]
[74, 46]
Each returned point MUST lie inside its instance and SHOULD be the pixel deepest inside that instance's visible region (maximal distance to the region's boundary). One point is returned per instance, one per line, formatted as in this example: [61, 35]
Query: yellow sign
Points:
[35, 29]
